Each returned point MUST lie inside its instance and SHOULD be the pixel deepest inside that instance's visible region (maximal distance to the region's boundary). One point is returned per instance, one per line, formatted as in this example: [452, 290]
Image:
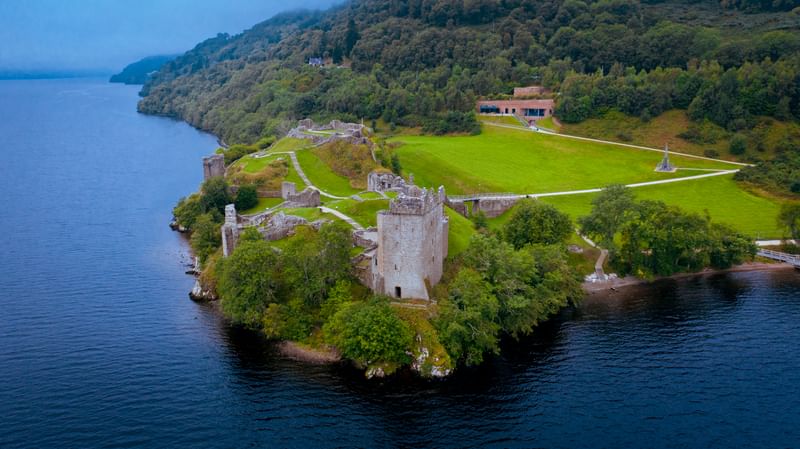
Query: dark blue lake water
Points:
[101, 347]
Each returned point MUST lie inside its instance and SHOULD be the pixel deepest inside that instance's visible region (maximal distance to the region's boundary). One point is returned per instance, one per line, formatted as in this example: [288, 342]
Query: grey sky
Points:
[109, 34]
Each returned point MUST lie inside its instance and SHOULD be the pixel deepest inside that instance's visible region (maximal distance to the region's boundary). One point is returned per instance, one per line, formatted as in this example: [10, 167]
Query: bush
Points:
[370, 333]
[738, 145]
[711, 153]
[188, 209]
[536, 222]
[206, 237]
[246, 198]
[236, 152]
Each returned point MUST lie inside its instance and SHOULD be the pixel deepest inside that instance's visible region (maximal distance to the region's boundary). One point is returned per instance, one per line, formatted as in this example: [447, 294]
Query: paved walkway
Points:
[307, 181]
[344, 217]
[599, 189]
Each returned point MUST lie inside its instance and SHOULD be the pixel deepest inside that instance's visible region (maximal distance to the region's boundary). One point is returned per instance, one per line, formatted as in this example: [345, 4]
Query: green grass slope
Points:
[720, 197]
[321, 175]
[520, 161]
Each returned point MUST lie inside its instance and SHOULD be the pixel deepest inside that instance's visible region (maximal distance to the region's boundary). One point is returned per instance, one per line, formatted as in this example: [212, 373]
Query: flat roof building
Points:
[529, 110]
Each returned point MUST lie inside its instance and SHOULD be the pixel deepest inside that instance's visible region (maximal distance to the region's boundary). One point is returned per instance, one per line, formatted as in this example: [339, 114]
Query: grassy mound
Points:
[353, 162]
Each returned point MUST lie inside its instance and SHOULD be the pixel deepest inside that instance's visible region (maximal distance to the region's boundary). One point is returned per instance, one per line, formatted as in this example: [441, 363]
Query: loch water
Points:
[100, 345]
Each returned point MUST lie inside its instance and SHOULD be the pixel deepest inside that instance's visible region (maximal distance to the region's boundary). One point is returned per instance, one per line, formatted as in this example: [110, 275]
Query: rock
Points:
[375, 372]
[575, 249]
[198, 294]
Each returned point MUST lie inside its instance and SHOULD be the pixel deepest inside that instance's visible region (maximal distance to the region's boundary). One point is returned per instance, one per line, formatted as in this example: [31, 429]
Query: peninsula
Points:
[405, 204]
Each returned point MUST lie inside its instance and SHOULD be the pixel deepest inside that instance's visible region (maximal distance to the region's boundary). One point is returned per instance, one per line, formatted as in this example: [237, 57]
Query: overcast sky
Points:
[106, 35]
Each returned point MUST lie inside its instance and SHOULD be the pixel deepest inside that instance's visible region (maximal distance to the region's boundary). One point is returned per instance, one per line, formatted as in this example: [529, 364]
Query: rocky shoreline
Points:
[608, 288]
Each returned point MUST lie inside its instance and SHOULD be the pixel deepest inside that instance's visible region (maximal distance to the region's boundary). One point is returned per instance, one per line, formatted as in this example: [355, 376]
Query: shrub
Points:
[246, 198]
[738, 145]
[536, 222]
[370, 333]
[711, 153]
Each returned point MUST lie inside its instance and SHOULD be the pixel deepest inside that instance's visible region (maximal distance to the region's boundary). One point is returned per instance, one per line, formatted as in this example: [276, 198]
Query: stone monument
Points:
[665, 166]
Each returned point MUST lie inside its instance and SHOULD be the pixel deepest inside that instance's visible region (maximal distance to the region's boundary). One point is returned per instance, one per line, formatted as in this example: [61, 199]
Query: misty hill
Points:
[424, 63]
[139, 71]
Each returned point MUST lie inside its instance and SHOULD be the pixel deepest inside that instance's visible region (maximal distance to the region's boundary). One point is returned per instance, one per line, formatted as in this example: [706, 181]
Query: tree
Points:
[396, 167]
[214, 193]
[315, 262]
[206, 237]
[246, 197]
[370, 333]
[536, 222]
[608, 214]
[467, 322]
[789, 218]
[188, 209]
[248, 282]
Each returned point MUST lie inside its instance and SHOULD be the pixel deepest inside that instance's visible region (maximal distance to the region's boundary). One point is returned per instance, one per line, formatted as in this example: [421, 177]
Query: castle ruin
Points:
[411, 245]
[230, 231]
[213, 166]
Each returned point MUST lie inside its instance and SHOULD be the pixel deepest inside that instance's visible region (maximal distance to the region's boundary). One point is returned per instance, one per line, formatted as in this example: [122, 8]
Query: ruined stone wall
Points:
[213, 166]
[230, 231]
[494, 207]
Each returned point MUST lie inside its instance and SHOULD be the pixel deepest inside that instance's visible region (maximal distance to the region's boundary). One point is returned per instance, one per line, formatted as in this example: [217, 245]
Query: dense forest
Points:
[139, 71]
[425, 62]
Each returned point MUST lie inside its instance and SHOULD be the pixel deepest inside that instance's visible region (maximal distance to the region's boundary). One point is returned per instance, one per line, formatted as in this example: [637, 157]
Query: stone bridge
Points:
[491, 204]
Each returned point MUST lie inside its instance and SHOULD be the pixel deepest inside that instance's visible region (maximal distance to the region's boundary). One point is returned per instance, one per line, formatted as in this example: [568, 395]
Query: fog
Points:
[106, 35]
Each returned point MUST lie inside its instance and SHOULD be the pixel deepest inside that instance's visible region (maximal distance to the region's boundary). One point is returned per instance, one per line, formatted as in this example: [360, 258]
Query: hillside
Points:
[139, 71]
[424, 62]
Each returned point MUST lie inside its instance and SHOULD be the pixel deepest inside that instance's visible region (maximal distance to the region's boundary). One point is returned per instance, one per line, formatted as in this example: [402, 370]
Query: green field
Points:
[502, 119]
[720, 196]
[364, 213]
[252, 164]
[289, 144]
[520, 161]
[321, 175]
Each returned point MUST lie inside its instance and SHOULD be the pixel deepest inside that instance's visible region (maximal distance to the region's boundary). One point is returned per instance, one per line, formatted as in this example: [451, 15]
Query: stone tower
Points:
[213, 165]
[665, 165]
[412, 244]
[230, 231]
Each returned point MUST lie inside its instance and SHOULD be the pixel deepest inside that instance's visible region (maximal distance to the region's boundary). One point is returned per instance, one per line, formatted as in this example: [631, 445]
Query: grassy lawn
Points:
[309, 213]
[461, 230]
[501, 119]
[289, 144]
[263, 204]
[321, 175]
[547, 123]
[520, 161]
[720, 196]
[363, 212]
[252, 164]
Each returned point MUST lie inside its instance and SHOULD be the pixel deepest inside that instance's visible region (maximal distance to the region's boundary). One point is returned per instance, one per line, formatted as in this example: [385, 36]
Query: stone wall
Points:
[385, 181]
[493, 207]
[213, 166]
